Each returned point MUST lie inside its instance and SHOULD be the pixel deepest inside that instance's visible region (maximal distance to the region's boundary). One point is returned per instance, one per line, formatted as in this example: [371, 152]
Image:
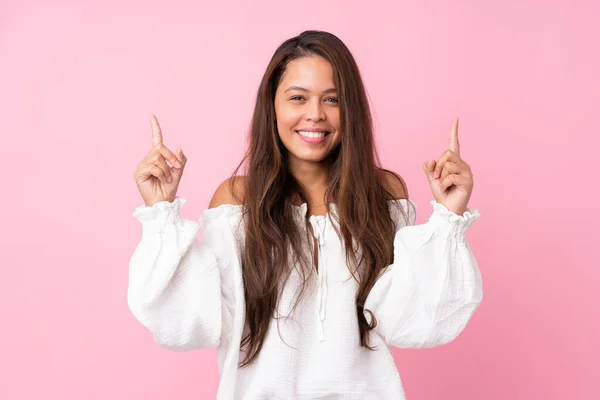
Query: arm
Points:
[174, 280]
[180, 288]
[430, 292]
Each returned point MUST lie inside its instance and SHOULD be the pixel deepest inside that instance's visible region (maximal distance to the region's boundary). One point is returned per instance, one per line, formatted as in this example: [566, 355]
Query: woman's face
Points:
[307, 110]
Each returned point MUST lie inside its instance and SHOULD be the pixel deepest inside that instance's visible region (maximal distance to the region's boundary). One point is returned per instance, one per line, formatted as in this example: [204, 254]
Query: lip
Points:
[312, 130]
[313, 140]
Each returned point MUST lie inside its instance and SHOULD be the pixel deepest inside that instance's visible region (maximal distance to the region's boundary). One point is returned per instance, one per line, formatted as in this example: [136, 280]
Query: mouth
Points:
[319, 134]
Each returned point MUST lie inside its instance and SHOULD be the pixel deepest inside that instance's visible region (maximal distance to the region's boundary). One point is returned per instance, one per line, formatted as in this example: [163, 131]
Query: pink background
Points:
[78, 80]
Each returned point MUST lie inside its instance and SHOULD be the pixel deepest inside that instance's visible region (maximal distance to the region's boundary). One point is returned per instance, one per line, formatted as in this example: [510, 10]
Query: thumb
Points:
[429, 167]
[179, 155]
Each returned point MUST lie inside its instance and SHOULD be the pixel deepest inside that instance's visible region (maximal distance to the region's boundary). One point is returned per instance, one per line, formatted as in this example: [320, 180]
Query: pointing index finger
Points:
[453, 144]
[157, 138]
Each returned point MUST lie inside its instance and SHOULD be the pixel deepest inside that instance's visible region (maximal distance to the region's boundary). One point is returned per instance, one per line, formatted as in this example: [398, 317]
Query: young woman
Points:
[310, 266]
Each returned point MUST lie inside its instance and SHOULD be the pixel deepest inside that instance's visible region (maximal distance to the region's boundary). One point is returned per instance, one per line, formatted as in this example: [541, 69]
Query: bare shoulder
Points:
[394, 184]
[230, 191]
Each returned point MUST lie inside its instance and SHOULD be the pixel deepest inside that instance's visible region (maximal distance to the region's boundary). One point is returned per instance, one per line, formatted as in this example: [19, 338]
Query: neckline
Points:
[302, 208]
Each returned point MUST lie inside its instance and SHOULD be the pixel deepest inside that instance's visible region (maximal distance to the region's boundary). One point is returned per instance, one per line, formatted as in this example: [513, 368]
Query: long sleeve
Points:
[174, 280]
[429, 293]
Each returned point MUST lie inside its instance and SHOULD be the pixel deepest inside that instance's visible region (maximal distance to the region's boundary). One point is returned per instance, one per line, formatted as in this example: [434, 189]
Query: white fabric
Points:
[189, 294]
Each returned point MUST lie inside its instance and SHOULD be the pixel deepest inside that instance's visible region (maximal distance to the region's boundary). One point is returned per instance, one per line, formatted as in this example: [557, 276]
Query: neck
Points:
[313, 178]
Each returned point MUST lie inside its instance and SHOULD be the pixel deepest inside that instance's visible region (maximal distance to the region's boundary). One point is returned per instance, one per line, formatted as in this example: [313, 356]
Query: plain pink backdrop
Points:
[78, 80]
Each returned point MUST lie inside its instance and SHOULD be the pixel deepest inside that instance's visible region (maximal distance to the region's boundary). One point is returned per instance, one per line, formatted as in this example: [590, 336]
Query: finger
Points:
[156, 159]
[162, 164]
[446, 156]
[453, 144]
[453, 179]
[157, 138]
[182, 158]
[447, 182]
[156, 171]
[450, 168]
[169, 156]
[428, 167]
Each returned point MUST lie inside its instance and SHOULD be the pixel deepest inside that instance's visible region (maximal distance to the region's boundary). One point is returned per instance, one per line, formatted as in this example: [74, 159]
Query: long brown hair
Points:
[356, 184]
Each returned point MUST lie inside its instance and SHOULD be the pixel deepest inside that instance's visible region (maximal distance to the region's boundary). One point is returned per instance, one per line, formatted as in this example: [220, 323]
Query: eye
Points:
[296, 98]
[331, 99]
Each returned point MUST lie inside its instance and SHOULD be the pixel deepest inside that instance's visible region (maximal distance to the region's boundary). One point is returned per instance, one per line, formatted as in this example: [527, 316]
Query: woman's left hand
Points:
[450, 177]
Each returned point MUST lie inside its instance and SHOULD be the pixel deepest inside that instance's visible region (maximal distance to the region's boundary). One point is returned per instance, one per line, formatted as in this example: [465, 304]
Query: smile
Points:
[312, 135]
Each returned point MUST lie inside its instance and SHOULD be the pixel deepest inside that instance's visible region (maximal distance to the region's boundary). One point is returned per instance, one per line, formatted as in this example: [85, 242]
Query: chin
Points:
[312, 157]
[303, 151]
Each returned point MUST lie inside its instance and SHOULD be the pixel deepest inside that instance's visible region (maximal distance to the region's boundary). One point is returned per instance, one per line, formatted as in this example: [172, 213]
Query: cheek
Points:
[334, 119]
[286, 117]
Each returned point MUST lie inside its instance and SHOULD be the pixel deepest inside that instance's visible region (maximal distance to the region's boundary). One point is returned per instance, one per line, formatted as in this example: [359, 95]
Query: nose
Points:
[314, 111]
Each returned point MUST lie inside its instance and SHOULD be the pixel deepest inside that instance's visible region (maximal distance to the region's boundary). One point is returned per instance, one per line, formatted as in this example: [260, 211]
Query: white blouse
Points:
[189, 294]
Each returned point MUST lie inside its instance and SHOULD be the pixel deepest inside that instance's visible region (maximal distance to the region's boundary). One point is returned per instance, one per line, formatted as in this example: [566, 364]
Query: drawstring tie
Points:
[319, 231]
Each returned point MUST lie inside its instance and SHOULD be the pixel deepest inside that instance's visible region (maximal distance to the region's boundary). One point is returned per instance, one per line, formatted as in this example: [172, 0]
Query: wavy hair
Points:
[356, 183]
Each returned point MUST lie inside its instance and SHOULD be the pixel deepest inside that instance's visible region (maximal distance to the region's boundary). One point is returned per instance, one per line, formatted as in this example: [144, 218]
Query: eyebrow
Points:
[301, 89]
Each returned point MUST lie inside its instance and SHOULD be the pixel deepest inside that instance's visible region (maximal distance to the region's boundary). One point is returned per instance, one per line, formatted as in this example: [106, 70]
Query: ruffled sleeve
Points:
[175, 280]
[429, 293]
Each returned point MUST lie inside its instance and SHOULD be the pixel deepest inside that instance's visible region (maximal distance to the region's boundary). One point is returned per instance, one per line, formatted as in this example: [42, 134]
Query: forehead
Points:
[310, 72]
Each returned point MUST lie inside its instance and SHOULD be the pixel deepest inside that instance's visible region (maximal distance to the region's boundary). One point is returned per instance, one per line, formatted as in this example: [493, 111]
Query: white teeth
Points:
[312, 135]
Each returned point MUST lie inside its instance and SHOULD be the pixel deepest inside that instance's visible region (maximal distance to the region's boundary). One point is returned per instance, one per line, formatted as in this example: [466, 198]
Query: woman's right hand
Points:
[155, 179]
